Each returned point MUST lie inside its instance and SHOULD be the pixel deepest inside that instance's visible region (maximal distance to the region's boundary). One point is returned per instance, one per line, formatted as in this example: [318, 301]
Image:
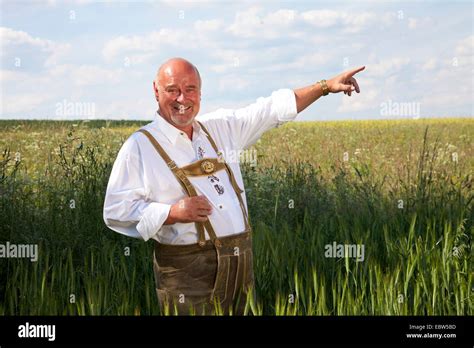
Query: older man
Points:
[172, 182]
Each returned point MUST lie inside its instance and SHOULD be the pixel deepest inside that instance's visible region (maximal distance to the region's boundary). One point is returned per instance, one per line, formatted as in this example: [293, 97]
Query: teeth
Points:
[181, 108]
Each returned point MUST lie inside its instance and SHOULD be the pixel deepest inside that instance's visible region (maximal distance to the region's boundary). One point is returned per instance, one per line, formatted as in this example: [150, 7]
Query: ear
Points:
[155, 89]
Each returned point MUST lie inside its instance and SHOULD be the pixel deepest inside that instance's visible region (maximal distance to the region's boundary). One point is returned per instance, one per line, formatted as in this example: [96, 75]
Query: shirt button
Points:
[221, 206]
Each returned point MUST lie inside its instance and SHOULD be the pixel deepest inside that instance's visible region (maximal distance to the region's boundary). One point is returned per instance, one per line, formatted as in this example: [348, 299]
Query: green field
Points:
[403, 189]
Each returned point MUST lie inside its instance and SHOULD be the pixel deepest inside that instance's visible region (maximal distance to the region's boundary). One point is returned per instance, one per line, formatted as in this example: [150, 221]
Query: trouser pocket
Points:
[234, 277]
[220, 291]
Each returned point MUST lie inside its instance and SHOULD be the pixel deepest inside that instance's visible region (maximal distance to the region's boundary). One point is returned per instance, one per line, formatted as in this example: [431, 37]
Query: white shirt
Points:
[142, 188]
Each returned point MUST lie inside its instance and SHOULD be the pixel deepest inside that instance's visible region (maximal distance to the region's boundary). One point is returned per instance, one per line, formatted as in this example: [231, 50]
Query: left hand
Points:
[345, 82]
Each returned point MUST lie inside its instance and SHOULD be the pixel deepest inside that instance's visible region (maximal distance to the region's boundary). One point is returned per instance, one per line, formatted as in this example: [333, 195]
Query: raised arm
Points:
[344, 82]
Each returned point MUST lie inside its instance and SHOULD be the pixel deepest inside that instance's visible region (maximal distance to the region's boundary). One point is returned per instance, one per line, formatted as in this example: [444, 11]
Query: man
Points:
[171, 183]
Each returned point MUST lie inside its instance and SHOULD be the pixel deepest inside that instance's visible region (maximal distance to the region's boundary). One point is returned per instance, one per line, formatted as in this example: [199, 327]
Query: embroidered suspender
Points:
[205, 166]
[237, 189]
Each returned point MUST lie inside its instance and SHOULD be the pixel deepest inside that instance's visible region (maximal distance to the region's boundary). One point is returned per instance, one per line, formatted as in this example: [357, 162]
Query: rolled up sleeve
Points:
[127, 208]
[243, 127]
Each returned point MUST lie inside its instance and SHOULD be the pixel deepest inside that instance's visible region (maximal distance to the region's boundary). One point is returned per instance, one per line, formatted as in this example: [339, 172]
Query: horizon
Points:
[81, 120]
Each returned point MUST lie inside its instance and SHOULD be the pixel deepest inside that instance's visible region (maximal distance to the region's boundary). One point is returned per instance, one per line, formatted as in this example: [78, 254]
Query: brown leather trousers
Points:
[207, 280]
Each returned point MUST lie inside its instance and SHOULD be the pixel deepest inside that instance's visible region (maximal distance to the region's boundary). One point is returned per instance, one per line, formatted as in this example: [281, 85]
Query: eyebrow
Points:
[186, 86]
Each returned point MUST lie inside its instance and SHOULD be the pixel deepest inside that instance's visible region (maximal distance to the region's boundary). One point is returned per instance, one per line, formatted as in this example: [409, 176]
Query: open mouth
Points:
[181, 108]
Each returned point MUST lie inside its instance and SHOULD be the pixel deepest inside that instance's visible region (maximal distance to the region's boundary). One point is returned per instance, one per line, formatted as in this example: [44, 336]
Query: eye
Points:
[172, 90]
[190, 89]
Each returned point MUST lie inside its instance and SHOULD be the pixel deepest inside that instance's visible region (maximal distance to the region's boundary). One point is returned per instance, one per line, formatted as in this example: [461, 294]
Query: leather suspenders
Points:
[203, 167]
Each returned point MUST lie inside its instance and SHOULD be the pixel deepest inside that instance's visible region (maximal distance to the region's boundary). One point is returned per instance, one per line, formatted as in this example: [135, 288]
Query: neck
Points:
[188, 130]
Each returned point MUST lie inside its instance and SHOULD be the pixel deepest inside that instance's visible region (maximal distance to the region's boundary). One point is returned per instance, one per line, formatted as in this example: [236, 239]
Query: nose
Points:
[181, 97]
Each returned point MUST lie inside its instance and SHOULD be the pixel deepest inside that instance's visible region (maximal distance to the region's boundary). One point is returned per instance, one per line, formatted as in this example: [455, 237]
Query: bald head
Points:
[176, 66]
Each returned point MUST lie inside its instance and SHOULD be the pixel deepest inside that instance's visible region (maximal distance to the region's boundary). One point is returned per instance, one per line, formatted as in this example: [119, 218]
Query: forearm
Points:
[307, 95]
[344, 82]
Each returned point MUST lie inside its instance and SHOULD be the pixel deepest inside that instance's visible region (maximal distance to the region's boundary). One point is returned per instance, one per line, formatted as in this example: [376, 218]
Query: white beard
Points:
[180, 123]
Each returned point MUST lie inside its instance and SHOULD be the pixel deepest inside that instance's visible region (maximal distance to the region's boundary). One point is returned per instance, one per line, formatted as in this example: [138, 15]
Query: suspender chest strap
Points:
[205, 166]
[237, 189]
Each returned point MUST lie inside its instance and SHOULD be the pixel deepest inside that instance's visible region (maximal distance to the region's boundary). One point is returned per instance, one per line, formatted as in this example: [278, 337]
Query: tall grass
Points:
[418, 257]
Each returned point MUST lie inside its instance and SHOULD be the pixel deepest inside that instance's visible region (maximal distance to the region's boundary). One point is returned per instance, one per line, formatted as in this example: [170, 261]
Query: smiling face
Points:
[178, 91]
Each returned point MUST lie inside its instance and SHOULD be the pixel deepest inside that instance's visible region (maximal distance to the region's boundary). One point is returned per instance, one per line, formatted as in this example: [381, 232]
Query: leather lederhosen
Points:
[213, 276]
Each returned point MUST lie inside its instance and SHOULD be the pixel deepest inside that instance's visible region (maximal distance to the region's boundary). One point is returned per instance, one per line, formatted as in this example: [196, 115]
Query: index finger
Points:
[355, 71]
[203, 199]
[204, 205]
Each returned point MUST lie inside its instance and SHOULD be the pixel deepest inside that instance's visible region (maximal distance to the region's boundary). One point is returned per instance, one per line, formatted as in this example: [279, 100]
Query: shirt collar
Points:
[171, 132]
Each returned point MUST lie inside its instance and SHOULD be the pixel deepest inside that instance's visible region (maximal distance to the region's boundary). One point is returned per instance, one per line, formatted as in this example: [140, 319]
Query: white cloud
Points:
[86, 75]
[465, 47]
[430, 64]
[133, 108]
[57, 54]
[304, 62]
[11, 39]
[419, 23]
[9, 36]
[251, 23]
[182, 3]
[233, 83]
[210, 106]
[386, 67]
[209, 25]
[450, 85]
[247, 23]
[442, 99]
[12, 76]
[144, 47]
[313, 59]
[412, 23]
[128, 44]
[321, 18]
[26, 94]
[23, 103]
[283, 17]
[230, 59]
[347, 21]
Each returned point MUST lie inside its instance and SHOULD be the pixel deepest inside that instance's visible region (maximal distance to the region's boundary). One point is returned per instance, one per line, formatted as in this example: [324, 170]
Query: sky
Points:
[97, 60]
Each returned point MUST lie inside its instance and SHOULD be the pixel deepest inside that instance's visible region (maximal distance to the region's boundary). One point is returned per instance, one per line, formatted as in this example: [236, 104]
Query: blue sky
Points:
[90, 59]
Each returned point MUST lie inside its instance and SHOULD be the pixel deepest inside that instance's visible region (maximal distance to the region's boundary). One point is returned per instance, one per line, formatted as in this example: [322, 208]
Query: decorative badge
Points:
[207, 167]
